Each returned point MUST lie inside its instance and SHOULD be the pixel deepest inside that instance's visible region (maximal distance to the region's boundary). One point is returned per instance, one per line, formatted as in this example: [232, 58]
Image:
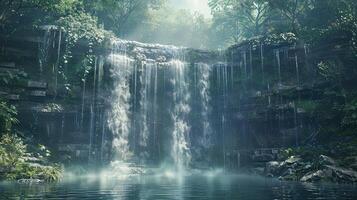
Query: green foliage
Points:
[12, 77]
[7, 117]
[12, 151]
[121, 16]
[248, 18]
[330, 70]
[26, 171]
[238, 20]
[21, 10]
[307, 152]
[81, 27]
[308, 106]
[15, 164]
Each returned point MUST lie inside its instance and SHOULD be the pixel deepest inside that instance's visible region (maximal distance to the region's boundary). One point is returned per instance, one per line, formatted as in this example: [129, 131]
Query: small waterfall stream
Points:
[145, 93]
[44, 48]
[119, 115]
[180, 134]
[203, 85]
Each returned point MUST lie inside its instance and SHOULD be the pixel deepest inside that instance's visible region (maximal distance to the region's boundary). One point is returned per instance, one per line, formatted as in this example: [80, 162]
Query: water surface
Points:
[172, 187]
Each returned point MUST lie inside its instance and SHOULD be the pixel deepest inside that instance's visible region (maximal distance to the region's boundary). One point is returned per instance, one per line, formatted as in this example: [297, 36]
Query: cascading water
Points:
[151, 105]
[148, 108]
[44, 47]
[180, 150]
[119, 115]
[262, 62]
[141, 79]
[203, 85]
[297, 70]
[145, 82]
[277, 55]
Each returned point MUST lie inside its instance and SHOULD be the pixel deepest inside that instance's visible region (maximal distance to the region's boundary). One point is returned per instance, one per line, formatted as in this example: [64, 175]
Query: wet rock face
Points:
[164, 53]
[323, 168]
[325, 160]
[332, 174]
[315, 176]
[30, 181]
[272, 167]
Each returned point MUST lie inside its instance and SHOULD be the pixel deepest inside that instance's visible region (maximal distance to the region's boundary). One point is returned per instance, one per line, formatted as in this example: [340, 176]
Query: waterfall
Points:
[245, 64]
[297, 70]
[223, 93]
[142, 122]
[251, 61]
[103, 139]
[155, 106]
[277, 55]
[203, 85]
[91, 132]
[145, 82]
[62, 127]
[262, 62]
[55, 69]
[44, 48]
[180, 150]
[83, 102]
[93, 113]
[119, 114]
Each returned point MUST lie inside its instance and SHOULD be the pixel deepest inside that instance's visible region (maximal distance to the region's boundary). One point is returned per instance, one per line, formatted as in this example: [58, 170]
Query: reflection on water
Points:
[169, 186]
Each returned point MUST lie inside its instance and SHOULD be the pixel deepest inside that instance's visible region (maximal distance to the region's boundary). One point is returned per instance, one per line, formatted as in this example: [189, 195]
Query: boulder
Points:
[331, 173]
[325, 160]
[314, 176]
[296, 168]
[289, 175]
[341, 175]
[272, 167]
[30, 181]
[292, 160]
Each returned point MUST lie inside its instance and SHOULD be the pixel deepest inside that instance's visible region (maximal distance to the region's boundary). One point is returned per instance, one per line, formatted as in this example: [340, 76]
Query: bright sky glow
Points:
[200, 6]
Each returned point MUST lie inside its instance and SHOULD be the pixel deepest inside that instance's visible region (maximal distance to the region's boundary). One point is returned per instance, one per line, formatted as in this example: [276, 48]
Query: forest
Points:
[153, 99]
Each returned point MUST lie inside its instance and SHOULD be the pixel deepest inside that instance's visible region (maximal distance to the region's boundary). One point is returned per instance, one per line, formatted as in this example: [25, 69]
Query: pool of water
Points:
[240, 187]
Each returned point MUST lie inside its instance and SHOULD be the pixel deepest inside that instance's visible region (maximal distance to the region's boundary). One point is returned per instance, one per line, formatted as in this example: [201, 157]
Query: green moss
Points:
[308, 106]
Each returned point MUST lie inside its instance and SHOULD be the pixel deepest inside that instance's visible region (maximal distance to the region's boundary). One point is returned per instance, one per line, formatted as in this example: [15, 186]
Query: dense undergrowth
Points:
[21, 158]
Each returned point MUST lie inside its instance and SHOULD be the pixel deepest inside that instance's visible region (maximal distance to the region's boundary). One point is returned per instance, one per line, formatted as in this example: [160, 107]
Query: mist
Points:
[181, 23]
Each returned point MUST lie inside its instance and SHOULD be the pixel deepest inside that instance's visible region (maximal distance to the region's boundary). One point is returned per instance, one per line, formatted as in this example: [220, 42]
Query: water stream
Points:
[119, 115]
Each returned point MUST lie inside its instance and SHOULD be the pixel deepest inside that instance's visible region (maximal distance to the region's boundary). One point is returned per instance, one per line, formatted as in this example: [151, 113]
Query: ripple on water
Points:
[189, 187]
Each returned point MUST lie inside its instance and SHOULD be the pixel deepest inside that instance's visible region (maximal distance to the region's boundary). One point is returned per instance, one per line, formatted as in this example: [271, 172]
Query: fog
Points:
[200, 6]
[178, 22]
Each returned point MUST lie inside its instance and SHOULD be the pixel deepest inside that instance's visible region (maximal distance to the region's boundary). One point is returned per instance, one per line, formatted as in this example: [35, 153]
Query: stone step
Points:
[13, 97]
[7, 65]
[38, 93]
[36, 84]
[7, 70]
[3, 93]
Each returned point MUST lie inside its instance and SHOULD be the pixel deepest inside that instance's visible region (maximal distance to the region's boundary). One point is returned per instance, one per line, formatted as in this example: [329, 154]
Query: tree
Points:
[243, 18]
[291, 11]
[115, 14]
[7, 8]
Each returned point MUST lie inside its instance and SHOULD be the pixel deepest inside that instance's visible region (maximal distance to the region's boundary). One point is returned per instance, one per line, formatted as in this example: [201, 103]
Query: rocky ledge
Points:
[319, 169]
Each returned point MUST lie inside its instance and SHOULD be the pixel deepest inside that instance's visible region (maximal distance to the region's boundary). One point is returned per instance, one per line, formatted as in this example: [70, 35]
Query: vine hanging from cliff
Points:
[81, 28]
